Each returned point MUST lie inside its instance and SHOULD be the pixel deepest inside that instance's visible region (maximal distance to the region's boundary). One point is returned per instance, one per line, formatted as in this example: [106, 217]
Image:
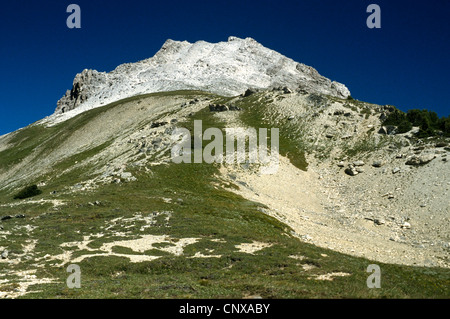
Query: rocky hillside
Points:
[114, 203]
[367, 193]
[96, 186]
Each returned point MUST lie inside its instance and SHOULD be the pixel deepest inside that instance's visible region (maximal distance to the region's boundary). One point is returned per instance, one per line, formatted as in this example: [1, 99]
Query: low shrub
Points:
[27, 192]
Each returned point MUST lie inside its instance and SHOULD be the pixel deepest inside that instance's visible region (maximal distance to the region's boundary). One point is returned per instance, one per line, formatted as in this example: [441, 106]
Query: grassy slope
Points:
[253, 111]
[204, 212]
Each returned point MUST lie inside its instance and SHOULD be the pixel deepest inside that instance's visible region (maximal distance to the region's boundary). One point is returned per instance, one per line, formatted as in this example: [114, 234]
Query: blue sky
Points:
[405, 63]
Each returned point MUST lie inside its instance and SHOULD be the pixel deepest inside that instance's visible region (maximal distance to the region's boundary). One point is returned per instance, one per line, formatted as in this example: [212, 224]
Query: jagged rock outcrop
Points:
[84, 86]
[227, 68]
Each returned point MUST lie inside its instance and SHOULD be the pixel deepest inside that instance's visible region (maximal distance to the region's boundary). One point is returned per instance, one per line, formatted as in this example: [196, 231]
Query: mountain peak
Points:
[225, 68]
[248, 39]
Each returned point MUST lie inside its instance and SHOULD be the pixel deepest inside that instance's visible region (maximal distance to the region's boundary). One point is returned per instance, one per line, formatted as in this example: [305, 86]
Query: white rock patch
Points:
[251, 248]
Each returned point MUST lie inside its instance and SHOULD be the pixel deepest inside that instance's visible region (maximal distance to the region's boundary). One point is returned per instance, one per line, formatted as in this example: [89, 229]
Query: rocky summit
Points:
[94, 187]
[225, 68]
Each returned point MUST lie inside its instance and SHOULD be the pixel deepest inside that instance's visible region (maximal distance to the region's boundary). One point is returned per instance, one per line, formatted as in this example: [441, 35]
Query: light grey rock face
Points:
[226, 68]
[84, 86]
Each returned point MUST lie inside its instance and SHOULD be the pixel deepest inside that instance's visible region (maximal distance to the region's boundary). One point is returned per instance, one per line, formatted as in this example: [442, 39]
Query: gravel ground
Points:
[393, 213]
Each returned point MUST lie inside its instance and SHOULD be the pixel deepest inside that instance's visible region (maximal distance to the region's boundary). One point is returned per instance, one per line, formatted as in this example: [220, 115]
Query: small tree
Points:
[404, 127]
[444, 125]
[395, 118]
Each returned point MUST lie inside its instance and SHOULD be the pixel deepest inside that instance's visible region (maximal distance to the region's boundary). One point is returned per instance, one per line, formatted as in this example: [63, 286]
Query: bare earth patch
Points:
[251, 248]
[331, 276]
[298, 199]
[27, 279]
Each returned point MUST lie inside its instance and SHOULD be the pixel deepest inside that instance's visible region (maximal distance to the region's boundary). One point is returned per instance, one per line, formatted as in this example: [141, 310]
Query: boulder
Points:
[358, 163]
[406, 225]
[234, 108]
[420, 159]
[125, 175]
[388, 130]
[248, 92]
[222, 108]
[377, 164]
[441, 144]
[286, 90]
[157, 124]
[351, 170]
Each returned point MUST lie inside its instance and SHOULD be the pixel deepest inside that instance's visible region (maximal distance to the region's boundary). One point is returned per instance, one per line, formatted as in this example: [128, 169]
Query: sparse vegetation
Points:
[363, 147]
[366, 112]
[291, 144]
